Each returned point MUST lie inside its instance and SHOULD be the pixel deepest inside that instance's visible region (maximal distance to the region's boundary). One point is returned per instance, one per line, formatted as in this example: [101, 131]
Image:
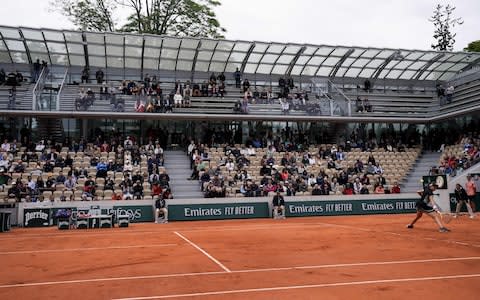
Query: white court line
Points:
[203, 251]
[236, 272]
[86, 249]
[310, 286]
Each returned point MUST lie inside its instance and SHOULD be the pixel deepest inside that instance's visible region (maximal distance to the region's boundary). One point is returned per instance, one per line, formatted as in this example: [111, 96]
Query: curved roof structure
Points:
[151, 52]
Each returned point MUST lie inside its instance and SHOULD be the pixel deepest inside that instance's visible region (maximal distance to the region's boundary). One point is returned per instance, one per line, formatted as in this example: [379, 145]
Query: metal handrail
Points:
[344, 96]
[40, 82]
[60, 88]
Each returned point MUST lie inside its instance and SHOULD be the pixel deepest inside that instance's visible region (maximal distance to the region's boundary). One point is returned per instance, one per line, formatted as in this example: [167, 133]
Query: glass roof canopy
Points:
[149, 52]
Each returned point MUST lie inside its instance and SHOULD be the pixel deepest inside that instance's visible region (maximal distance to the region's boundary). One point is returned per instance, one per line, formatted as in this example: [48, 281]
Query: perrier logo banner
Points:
[36, 217]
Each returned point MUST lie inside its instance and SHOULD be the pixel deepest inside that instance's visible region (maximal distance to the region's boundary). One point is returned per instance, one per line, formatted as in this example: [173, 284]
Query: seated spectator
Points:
[138, 190]
[178, 99]
[395, 188]
[317, 190]
[379, 189]
[161, 208]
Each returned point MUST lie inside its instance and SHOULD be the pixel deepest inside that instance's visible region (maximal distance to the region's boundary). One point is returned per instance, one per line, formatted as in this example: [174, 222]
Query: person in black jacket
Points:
[462, 198]
[161, 206]
[278, 206]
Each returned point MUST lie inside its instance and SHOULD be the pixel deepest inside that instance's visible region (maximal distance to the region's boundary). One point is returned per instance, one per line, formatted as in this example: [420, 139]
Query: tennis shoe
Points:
[409, 226]
[472, 217]
[444, 229]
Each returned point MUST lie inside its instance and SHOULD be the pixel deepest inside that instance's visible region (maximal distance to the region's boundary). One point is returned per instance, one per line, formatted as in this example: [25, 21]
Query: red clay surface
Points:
[359, 257]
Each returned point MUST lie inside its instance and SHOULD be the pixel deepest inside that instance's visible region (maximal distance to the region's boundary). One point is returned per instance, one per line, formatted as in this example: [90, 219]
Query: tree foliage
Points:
[473, 46]
[443, 21]
[194, 18]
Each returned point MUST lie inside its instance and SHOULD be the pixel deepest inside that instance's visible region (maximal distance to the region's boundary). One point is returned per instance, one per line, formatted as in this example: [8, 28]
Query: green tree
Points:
[443, 21]
[473, 46]
[195, 18]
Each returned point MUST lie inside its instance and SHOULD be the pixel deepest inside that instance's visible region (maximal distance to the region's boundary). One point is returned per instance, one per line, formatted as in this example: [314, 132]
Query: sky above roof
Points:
[369, 23]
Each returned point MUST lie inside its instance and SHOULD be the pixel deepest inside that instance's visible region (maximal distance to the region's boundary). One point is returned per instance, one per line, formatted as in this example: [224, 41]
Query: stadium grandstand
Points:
[260, 116]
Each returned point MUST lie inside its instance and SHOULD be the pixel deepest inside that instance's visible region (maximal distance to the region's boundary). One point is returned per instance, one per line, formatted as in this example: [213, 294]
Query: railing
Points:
[340, 97]
[338, 103]
[60, 88]
[467, 76]
[38, 88]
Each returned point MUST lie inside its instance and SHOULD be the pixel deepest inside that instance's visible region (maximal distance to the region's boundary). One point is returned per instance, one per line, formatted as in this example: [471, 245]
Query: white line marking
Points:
[297, 287]
[85, 249]
[203, 251]
[237, 272]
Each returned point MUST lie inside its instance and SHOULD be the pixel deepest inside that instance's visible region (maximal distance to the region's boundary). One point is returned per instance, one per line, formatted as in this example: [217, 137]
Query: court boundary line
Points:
[203, 251]
[310, 286]
[85, 249]
[17, 285]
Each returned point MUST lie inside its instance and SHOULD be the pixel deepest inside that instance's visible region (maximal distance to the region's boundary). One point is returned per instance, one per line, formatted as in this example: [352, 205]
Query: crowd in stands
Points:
[119, 169]
[14, 78]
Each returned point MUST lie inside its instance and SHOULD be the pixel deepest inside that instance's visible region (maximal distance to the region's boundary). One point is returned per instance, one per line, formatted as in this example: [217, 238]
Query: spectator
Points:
[449, 93]
[99, 76]
[395, 188]
[462, 198]
[238, 78]
[379, 189]
[161, 208]
[85, 75]
[3, 76]
[278, 206]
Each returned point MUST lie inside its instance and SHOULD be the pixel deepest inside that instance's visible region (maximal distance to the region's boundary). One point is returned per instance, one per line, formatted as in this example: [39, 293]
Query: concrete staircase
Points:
[421, 168]
[177, 164]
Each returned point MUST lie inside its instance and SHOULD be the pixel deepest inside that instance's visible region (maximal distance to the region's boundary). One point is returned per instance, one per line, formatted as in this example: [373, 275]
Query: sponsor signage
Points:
[184, 212]
[349, 207]
[37, 217]
[136, 214]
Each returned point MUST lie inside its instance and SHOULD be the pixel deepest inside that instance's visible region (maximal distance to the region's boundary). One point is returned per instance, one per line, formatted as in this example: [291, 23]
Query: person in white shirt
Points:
[178, 99]
[251, 151]
[5, 146]
[357, 186]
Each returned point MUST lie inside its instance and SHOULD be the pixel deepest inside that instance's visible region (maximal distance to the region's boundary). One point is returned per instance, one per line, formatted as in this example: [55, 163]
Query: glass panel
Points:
[340, 52]
[15, 45]
[370, 53]
[309, 50]
[302, 60]
[316, 60]
[352, 72]
[73, 36]
[357, 52]
[32, 34]
[325, 51]
[3, 47]
[201, 66]
[250, 68]
[412, 55]
[279, 69]
[366, 73]
[224, 45]
[429, 56]
[58, 59]
[133, 63]
[94, 38]
[408, 74]
[97, 61]
[254, 58]
[237, 56]
[4, 57]
[403, 64]
[375, 63]
[220, 56]
[260, 47]
[276, 48]
[114, 39]
[151, 52]
[394, 74]
[417, 65]
[75, 48]
[167, 64]
[457, 57]
[444, 66]
[53, 36]
[184, 65]
[285, 59]
[308, 71]
[292, 49]
[19, 57]
[152, 41]
[40, 56]
[458, 67]
[36, 46]
[348, 61]
[56, 47]
[446, 76]
[433, 66]
[445, 58]
[269, 58]
[331, 61]
[76, 60]
[96, 50]
[324, 71]
[114, 62]
[243, 47]
[296, 70]
[206, 44]
[151, 64]
[169, 53]
[231, 67]
[190, 43]
[171, 43]
[114, 50]
[391, 64]
[264, 69]
[341, 72]
[433, 76]
[10, 33]
[204, 55]
[133, 51]
[134, 40]
[217, 67]
[186, 54]
[383, 73]
[385, 53]
[361, 62]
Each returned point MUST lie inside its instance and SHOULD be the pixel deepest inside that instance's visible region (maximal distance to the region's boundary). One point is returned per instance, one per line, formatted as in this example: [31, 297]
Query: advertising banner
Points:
[37, 217]
[189, 212]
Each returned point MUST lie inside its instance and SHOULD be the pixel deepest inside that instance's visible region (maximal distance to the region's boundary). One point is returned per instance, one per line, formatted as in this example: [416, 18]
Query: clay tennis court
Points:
[359, 257]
